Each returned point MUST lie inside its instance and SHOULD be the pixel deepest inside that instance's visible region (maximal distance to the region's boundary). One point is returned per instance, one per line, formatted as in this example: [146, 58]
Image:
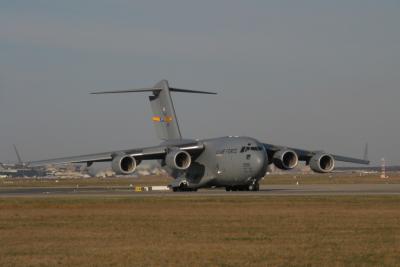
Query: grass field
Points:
[200, 231]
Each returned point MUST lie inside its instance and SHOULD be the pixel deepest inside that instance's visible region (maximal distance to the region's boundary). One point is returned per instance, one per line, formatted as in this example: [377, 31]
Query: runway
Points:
[265, 190]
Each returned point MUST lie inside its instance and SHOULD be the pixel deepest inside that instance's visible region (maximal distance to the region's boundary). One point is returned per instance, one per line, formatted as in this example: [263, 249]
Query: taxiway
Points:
[270, 190]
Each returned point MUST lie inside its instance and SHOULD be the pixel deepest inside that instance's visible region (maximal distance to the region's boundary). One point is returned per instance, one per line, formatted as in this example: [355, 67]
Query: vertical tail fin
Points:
[164, 116]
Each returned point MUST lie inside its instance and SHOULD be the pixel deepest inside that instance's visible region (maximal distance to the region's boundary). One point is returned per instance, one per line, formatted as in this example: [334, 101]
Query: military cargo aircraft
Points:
[236, 163]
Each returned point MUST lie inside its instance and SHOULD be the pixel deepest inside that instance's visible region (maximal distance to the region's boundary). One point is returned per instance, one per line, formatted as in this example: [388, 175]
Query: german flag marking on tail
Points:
[156, 118]
[162, 119]
[168, 119]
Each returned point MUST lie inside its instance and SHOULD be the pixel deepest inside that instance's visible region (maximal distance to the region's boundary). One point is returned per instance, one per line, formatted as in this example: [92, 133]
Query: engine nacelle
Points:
[322, 163]
[285, 159]
[178, 160]
[124, 164]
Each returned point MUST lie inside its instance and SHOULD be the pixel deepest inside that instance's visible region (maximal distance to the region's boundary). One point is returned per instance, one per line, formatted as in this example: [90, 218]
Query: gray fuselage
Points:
[225, 161]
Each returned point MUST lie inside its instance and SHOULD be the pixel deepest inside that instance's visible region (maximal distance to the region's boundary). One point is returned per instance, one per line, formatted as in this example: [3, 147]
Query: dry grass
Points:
[200, 231]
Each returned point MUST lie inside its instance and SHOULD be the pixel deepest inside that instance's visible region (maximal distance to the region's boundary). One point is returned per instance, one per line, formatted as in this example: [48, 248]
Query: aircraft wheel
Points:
[228, 188]
[254, 187]
[184, 189]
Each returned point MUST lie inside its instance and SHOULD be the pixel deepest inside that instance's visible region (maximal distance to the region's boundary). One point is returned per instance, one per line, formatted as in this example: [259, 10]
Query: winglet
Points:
[366, 152]
[18, 155]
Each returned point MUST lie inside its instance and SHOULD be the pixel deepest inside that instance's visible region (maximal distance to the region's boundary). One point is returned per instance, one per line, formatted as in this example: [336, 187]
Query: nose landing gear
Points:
[254, 187]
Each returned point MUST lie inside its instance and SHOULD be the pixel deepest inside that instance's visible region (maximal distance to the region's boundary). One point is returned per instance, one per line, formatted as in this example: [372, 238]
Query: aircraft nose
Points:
[260, 162]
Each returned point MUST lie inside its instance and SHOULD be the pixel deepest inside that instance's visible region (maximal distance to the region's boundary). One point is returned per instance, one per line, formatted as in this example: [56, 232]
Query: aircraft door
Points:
[228, 169]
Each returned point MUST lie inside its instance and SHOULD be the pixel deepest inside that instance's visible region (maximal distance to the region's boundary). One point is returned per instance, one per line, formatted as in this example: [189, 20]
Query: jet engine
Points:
[178, 160]
[123, 164]
[322, 163]
[285, 159]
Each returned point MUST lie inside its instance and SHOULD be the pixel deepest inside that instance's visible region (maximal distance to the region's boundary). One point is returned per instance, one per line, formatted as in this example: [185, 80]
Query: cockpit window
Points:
[251, 148]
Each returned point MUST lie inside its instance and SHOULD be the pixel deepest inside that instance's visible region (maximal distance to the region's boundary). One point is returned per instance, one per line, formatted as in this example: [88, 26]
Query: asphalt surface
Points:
[269, 190]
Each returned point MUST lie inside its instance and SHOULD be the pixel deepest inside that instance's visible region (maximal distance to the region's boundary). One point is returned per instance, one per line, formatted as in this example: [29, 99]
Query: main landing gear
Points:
[253, 187]
[183, 188]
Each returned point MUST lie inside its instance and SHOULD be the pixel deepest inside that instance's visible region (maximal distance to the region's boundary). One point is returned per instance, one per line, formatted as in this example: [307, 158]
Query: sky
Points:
[319, 75]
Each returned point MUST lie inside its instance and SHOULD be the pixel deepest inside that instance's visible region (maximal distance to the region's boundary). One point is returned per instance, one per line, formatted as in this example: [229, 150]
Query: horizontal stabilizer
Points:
[128, 91]
[191, 91]
[164, 116]
[153, 90]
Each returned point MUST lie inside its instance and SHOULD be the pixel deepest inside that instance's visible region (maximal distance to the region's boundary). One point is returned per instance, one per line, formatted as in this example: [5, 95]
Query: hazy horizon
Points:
[319, 75]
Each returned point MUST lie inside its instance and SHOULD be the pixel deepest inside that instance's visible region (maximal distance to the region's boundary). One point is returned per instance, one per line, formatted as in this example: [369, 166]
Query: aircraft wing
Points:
[306, 155]
[147, 153]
